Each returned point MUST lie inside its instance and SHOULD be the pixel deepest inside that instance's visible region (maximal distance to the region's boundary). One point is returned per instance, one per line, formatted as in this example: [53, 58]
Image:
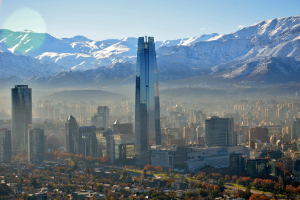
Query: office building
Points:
[174, 132]
[101, 135]
[103, 112]
[296, 129]
[21, 115]
[97, 121]
[147, 109]
[297, 171]
[122, 128]
[5, 145]
[88, 140]
[163, 158]
[238, 163]
[120, 148]
[36, 145]
[257, 167]
[185, 158]
[288, 164]
[276, 168]
[73, 139]
[101, 118]
[220, 132]
[258, 135]
[274, 130]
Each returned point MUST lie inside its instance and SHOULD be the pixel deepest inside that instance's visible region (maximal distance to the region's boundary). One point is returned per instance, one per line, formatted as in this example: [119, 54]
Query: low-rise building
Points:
[195, 157]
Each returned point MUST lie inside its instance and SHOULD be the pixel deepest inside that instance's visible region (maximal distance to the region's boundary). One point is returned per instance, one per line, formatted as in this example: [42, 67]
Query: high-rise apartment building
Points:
[36, 145]
[73, 140]
[296, 129]
[5, 145]
[147, 109]
[220, 132]
[21, 114]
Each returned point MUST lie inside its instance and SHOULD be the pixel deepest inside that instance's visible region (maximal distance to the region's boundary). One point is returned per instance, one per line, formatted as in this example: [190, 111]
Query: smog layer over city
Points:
[193, 100]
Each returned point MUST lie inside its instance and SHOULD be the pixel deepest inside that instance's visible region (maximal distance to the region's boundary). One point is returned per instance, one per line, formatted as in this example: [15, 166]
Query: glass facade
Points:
[101, 142]
[88, 140]
[5, 145]
[276, 168]
[120, 148]
[296, 170]
[73, 139]
[257, 167]
[21, 112]
[36, 145]
[147, 109]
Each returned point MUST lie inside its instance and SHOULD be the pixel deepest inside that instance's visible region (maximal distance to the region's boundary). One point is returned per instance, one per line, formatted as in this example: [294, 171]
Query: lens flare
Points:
[24, 31]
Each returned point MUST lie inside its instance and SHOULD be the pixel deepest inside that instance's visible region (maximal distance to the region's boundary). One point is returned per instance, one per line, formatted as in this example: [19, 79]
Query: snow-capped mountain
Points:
[268, 48]
[244, 51]
[79, 52]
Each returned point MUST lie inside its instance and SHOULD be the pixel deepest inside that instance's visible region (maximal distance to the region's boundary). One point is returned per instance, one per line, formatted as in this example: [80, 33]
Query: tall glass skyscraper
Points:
[73, 139]
[147, 110]
[21, 113]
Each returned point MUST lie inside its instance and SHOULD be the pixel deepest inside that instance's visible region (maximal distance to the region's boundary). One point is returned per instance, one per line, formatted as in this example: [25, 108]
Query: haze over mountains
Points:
[267, 51]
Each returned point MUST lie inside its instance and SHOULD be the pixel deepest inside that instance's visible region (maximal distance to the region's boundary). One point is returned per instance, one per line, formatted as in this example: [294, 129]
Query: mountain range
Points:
[268, 51]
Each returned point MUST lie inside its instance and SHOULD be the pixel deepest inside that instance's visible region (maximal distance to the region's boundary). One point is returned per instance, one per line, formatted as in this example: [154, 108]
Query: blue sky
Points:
[163, 19]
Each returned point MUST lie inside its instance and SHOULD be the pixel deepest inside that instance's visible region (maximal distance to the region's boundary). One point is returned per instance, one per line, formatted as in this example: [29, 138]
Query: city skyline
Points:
[211, 117]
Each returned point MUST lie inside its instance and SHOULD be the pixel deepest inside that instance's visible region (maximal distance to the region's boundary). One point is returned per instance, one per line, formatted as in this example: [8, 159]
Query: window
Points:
[170, 160]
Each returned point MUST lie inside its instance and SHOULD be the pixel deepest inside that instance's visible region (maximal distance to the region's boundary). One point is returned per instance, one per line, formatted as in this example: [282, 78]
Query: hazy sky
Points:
[163, 19]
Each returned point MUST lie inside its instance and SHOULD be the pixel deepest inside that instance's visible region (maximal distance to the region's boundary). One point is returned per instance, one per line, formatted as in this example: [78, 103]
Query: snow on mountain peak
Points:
[274, 38]
[77, 38]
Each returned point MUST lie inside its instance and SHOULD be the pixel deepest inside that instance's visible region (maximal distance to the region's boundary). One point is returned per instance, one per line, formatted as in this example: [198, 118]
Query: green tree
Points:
[202, 192]
[248, 192]
[99, 188]
[172, 195]
[125, 174]
[34, 183]
[189, 194]
[4, 190]
[93, 197]
[221, 184]
[61, 169]
[213, 194]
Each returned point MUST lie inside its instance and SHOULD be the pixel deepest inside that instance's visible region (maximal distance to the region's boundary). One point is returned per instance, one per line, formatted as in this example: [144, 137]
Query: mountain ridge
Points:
[264, 51]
